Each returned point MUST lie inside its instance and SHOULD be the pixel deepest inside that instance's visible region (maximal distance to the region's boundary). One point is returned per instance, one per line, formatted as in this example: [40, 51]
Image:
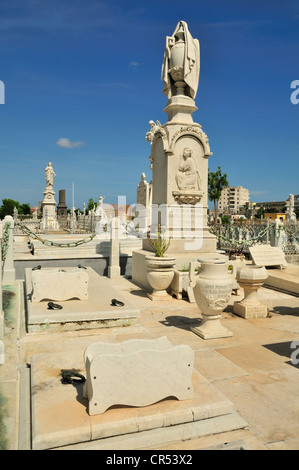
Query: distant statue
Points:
[181, 63]
[50, 175]
[291, 216]
[101, 199]
[187, 177]
[99, 211]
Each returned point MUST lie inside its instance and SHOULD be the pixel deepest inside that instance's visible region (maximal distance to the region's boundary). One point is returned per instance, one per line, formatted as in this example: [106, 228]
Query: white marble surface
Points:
[266, 255]
[59, 284]
[137, 373]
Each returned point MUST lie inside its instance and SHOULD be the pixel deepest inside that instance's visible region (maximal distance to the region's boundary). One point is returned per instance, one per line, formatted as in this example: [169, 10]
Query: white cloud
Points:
[66, 143]
[258, 192]
[133, 63]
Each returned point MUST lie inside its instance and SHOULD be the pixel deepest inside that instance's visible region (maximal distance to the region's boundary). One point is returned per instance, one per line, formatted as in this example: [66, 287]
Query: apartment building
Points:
[232, 198]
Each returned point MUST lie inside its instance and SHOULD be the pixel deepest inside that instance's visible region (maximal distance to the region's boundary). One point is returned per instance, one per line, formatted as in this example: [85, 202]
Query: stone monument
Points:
[62, 209]
[143, 204]
[291, 216]
[179, 158]
[49, 219]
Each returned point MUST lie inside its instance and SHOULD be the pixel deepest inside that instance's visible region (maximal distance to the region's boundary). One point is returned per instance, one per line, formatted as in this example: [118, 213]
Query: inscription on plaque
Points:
[266, 255]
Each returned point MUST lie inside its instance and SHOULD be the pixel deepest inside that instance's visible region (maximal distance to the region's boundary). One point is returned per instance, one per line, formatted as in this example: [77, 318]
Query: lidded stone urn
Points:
[212, 291]
[176, 60]
[251, 278]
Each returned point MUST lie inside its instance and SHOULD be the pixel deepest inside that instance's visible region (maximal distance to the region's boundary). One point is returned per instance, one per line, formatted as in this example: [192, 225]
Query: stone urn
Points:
[176, 61]
[251, 278]
[212, 291]
[160, 273]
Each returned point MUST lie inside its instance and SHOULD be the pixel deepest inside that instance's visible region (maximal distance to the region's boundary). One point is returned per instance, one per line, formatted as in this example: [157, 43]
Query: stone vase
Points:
[160, 273]
[212, 291]
[251, 278]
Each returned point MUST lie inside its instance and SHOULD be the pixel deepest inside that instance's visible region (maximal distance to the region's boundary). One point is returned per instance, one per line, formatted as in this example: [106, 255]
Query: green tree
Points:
[225, 220]
[216, 182]
[90, 205]
[24, 209]
[259, 213]
[8, 206]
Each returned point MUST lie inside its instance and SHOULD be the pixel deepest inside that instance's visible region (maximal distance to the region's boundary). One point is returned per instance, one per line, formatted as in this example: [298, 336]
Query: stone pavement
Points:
[252, 369]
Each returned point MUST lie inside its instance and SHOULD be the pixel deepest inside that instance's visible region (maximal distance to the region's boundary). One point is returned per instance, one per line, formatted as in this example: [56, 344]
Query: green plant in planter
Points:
[160, 244]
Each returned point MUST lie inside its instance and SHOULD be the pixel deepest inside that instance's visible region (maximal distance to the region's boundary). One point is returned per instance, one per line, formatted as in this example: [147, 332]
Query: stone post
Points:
[15, 219]
[267, 236]
[9, 273]
[72, 221]
[277, 238]
[114, 268]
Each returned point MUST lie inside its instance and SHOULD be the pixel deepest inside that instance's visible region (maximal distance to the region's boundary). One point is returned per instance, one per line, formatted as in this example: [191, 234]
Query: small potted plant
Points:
[160, 268]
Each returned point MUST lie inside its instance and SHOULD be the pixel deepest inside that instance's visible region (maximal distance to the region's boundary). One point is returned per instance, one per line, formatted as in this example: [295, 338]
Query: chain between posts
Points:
[238, 243]
[52, 243]
[246, 243]
[242, 243]
[291, 234]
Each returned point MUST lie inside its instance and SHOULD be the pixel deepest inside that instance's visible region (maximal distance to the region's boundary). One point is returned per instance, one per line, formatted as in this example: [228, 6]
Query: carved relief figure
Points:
[142, 191]
[50, 175]
[181, 63]
[187, 177]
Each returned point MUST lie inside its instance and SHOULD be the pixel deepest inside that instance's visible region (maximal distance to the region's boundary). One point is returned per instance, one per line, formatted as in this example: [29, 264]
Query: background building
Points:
[232, 198]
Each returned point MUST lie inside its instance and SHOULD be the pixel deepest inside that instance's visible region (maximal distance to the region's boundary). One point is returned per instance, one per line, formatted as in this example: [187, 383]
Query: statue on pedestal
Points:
[50, 174]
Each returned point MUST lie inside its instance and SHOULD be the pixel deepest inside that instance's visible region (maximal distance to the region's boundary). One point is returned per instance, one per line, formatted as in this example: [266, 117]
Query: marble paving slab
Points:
[94, 312]
[60, 417]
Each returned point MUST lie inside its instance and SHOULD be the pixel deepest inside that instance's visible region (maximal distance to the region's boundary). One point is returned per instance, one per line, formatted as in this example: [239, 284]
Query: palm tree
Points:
[216, 182]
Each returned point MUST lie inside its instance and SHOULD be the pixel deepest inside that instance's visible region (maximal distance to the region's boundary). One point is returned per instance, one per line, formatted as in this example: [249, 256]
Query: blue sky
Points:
[89, 73]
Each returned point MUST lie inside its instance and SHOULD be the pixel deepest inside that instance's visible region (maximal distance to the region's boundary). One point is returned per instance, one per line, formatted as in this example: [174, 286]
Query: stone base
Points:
[159, 295]
[250, 311]
[211, 328]
[113, 272]
[60, 418]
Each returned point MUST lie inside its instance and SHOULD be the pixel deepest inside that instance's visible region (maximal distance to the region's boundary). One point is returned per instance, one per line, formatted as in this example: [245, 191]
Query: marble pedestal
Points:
[251, 278]
[211, 328]
[49, 220]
